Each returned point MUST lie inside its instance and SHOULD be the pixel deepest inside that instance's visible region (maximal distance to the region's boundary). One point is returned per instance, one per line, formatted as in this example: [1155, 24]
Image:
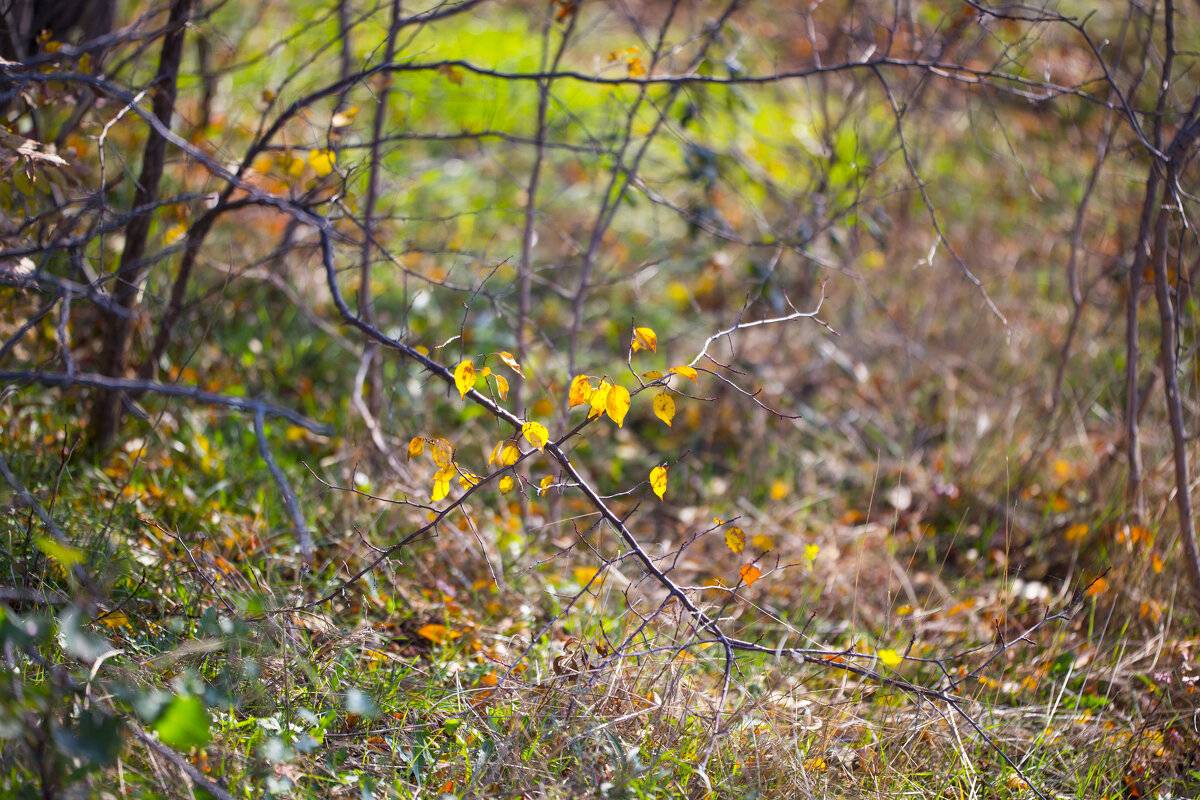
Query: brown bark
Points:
[118, 324]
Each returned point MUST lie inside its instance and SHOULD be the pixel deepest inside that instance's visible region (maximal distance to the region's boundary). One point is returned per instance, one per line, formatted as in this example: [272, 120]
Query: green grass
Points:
[944, 501]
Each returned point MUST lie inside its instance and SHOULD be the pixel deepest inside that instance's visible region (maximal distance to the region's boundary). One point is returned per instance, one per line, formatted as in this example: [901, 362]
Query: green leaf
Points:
[95, 738]
[357, 702]
[24, 632]
[79, 642]
[276, 750]
[184, 724]
[64, 554]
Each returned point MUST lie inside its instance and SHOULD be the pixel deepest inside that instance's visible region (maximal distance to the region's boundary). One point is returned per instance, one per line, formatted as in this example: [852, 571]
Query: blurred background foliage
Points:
[961, 185]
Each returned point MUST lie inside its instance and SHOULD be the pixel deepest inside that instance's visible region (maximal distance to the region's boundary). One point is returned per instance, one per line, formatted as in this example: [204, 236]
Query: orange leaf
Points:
[438, 634]
[581, 391]
[749, 573]
[452, 74]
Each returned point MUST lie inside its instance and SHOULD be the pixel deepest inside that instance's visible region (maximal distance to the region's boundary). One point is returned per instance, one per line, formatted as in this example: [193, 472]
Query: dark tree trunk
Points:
[118, 324]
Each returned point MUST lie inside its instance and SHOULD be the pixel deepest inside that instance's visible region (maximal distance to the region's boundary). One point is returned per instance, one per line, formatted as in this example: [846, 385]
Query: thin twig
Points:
[300, 525]
[195, 393]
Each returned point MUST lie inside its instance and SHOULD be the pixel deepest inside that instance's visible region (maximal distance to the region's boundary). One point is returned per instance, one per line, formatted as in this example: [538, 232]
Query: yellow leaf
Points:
[889, 658]
[762, 541]
[467, 478]
[664, 407]
[294, 433]
[652, 375]
[658, 481]
[322, 161]
[175, 233]
[617, 404]
[686, 372]
[636, 68]
[501, 386]
[511, 362]
[546, 482]
[441, 485]
[1097, 586]
[464, 377]
[735, 540]
[343, 118]
[506, 484]
[485, 372]
[416, 447]
[584, 575]
[64, 554]
[443, 453]
[779, 490]
[505, 453]
[581, 391]
[810, 552]
[644, 339]
[117, 619]
[536, 434]
[599, 398]
[815, 764]
[904, 610]
[749, 573]
[1075, 532]
[438, 634]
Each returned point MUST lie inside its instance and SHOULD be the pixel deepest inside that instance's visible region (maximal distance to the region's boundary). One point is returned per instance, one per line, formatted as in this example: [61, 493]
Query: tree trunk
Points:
[118, 324]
